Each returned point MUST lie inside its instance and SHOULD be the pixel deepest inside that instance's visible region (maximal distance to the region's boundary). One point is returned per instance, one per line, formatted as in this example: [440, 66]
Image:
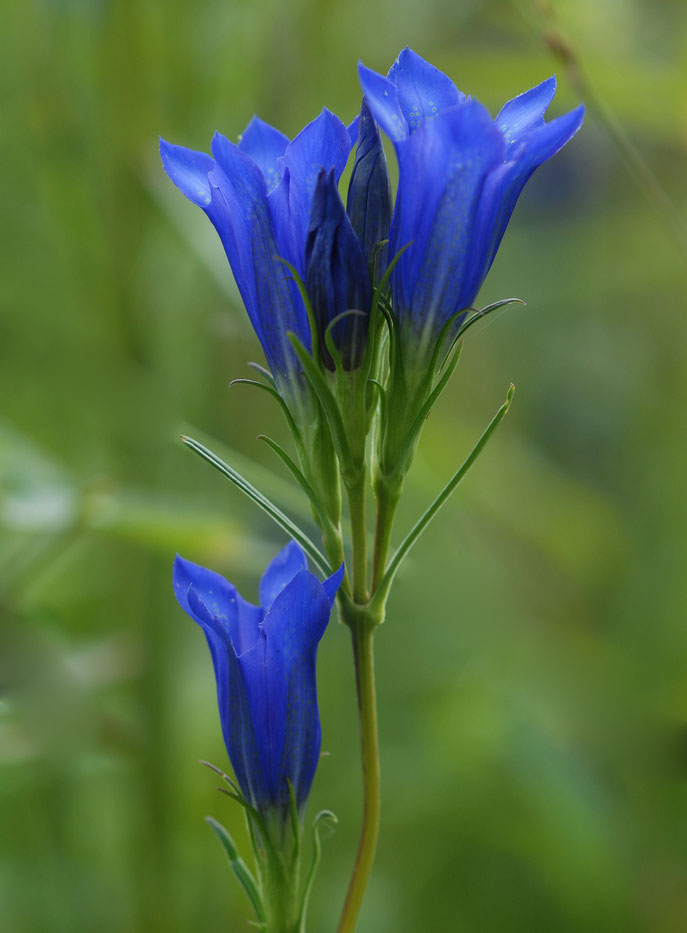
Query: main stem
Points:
[362, 633]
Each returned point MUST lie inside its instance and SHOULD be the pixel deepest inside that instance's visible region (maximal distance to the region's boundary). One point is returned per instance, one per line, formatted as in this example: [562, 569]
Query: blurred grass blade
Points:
[239, 867]
[427, 517]
[275, 514]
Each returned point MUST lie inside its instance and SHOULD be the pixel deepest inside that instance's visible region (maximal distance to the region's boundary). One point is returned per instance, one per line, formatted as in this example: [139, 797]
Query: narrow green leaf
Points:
[317, 854]
[256, 496]
[239, 867]
[425, 519]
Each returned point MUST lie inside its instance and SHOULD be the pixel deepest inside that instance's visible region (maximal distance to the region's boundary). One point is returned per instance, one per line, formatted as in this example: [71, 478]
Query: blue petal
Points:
[323, 143]
[272, 302]
[331, 584]
[265, 145]
[336, 273]
[188, 170]
[227, 621]
[285, 711]
[547, 140]
[369, 201]
[441, 172]
[502, 191]
[288, 562]
[238, 618]
[353, 130]
[382, 98]
[423, 91]
[526, 111]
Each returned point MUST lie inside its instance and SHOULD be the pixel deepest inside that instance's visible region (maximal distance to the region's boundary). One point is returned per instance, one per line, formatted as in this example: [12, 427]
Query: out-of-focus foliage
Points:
[533, 671]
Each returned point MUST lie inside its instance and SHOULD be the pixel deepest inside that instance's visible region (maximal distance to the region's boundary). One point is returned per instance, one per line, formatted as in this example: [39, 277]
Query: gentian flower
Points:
[264, 661]
[258, 194]
[460, 175]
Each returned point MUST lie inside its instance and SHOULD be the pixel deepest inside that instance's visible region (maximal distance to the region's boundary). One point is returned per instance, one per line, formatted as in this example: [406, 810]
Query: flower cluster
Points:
[460, 175]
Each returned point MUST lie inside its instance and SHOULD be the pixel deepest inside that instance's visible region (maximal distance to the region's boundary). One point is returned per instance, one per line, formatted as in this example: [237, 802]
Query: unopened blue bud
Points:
[369, 201]
[336, 274]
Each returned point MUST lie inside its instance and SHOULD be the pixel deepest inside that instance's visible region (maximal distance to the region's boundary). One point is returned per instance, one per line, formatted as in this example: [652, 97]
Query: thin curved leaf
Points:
[261, 500]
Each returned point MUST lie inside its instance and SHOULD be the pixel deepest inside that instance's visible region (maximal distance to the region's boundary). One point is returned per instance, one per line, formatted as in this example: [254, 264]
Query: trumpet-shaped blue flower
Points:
[258, 194]
[460, 175]
[264, 661]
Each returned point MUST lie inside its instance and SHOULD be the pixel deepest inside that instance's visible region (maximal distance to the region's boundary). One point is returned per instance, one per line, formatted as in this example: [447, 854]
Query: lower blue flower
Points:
[264, 660]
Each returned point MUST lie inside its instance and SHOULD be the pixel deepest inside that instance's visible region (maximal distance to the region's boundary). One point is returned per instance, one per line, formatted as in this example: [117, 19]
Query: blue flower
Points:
[460, 175]
[258, 194]
[264, 661]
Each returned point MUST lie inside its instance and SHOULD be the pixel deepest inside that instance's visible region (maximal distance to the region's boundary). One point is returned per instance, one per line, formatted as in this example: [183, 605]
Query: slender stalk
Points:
[356, 507]
[362, 633]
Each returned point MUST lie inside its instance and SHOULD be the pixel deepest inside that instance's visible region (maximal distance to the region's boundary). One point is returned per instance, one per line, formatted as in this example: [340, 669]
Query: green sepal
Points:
[381, 392]
[312, 321]
[295, 820]
[329, 341]
[273, 392]
[284, 522]
[327, 400]
[225, 777]
[317, 854]
[483, 312]
[410, 442]
[239, 867]
[384, 281]
[424, 520]
[265, 373]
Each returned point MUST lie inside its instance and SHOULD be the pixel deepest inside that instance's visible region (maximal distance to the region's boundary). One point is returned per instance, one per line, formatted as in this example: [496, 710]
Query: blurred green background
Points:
[532, 673]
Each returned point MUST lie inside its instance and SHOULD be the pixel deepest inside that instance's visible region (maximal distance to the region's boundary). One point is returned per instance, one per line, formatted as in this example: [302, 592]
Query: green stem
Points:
[279, 883]
[356, 507]
[362, 632]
